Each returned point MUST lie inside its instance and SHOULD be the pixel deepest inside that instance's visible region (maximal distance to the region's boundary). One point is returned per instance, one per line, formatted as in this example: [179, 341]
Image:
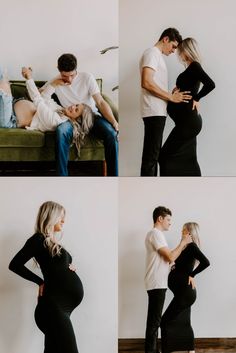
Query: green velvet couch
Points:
[21, 145]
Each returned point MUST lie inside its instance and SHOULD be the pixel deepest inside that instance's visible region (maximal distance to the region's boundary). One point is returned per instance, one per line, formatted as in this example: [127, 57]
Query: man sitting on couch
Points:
[82, 87]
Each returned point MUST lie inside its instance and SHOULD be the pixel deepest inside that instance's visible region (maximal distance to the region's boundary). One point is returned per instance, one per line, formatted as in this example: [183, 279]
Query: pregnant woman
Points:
[178, 155]
[43, 113]
[60, 290]
[176, 331]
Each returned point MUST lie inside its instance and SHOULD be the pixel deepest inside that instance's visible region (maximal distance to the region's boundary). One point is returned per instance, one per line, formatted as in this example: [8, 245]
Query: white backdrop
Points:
[36, 33]
[90, 235]
[211, 203]
[212, 24]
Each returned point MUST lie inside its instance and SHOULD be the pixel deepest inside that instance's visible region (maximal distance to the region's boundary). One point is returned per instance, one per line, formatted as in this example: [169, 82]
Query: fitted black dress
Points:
[178, 155]
[176, 331]
[63, 292]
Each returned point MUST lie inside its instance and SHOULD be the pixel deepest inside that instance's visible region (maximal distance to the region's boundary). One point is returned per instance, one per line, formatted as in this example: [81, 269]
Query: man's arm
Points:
[106, 111]
[171, 255]
[147, 82]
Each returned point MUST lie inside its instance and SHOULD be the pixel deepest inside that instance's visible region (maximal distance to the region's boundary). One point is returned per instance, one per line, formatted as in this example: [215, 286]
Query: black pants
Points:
[156, 298]
[153, 133]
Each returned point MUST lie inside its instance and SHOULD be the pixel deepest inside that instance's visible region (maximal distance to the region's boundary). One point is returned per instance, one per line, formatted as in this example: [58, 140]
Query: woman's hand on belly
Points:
[72, 268]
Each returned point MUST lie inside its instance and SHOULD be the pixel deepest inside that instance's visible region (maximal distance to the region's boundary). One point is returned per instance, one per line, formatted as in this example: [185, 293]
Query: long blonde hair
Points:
[49, 214]
[189, 47]
[193, 229]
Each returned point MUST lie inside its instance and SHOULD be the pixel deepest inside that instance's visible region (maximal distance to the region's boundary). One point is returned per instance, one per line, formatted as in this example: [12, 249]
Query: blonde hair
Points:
[49, 214]
[189, 47]
[193, 229]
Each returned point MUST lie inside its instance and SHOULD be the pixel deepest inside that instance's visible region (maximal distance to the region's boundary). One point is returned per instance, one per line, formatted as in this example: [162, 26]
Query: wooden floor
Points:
[202, 345]
[82, 168]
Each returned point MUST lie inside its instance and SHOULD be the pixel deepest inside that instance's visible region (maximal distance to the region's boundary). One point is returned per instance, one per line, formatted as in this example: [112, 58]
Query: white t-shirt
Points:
[81, 90]
[157, 269]
[48, 113]
[150, 104]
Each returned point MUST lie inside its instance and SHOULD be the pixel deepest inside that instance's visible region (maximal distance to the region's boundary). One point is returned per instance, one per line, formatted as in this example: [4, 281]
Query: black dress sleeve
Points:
[201, 75]
[29, 250]
[203, 261]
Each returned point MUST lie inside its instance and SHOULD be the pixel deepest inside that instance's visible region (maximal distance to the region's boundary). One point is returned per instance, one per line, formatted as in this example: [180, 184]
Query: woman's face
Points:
[74, 111]
[59, 225]
[183, 57]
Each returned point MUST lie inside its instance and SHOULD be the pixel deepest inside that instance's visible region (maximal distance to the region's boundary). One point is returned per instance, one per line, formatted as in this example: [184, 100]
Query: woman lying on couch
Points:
[43, 113]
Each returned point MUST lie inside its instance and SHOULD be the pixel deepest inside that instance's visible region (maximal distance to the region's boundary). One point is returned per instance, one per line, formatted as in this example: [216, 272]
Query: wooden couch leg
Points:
[104, 168]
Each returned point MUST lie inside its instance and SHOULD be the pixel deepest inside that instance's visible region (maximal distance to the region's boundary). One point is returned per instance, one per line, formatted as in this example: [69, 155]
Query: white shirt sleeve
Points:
[158, 240]
[92, 85]
[48, 118]
[150, 60]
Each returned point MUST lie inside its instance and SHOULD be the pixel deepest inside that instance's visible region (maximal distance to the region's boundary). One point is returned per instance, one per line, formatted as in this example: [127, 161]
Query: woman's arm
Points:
[203, 261]
[201, 75]
[28, 251]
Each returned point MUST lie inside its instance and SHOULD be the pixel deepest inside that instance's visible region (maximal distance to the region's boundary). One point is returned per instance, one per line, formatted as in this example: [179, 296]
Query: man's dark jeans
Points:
[153, 133]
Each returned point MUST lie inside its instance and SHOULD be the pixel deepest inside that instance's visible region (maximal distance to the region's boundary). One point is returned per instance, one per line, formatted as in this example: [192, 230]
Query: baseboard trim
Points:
[210, 345]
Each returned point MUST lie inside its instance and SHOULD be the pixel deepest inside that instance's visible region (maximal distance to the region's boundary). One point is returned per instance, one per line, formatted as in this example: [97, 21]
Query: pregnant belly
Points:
[66, 289]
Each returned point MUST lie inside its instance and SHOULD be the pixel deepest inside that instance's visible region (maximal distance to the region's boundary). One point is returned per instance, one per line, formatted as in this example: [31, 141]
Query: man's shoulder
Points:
[85, 76]
[155, 232]
[153, 51]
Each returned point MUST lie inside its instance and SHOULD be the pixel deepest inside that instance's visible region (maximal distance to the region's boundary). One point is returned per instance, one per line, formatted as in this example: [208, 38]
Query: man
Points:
[155, 95]
[81, 87]
[158, 258]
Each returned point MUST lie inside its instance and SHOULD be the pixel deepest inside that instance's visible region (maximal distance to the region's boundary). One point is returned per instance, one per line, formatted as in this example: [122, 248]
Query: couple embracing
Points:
[178, 155]
[176, 269]
[82, 109]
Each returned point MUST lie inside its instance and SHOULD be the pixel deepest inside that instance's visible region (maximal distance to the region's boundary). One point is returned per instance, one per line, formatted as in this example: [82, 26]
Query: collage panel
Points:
[196, 137]
[78, 218]
[58, 88]
[200, 319]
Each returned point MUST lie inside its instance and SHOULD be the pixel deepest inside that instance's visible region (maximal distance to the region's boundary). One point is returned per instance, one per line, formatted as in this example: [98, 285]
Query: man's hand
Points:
[116, 126]
[179, 97]
[186, 239]
[26, 72]
[41, 290]
[191, 282]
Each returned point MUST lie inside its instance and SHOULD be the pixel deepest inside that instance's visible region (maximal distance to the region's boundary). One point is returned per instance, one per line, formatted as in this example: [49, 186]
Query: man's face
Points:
[169, 46]
[165, 222]
[68, 76]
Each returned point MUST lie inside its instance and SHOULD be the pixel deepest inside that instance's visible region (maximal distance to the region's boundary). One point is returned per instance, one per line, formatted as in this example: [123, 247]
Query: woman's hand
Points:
[41, 290]
[26, 72]
[196, 105]
[72, 268]
[191, 282]
[57, 82]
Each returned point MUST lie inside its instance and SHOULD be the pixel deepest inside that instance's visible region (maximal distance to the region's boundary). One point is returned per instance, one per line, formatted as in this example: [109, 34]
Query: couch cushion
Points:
[21, 138]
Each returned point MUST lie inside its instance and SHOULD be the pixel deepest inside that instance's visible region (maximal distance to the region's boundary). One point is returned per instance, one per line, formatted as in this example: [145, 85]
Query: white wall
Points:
[90, 235]
[36, 33]
[212, 23]
[211, 203]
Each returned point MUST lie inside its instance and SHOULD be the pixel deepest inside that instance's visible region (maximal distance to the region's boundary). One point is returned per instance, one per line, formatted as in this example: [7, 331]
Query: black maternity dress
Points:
[178, 155]
[176, 331]
[63, 292]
